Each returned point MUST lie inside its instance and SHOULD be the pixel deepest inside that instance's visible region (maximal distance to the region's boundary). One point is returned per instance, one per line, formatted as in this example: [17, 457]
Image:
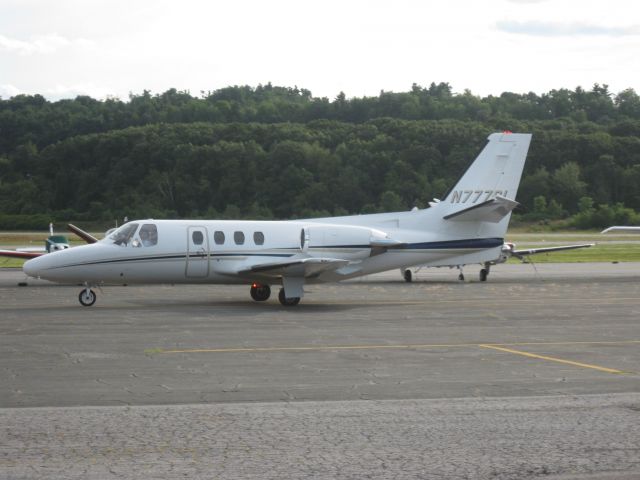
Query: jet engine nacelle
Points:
[340, 241]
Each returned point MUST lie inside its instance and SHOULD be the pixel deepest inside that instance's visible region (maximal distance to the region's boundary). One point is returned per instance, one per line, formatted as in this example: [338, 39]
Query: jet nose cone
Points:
[32, 267]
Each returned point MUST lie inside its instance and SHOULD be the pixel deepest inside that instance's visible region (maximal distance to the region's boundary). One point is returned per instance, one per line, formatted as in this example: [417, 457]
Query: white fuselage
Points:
[194, 251]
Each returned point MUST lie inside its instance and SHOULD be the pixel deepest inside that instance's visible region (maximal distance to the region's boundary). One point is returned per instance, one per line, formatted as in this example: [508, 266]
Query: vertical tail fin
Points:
[496, 172]
[480, 203]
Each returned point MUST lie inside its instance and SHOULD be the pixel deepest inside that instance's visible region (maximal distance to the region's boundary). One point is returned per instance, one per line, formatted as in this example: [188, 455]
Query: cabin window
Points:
[218, 237]
[197, 237]
[302, 238]
[148, 235]
[258, 238]
[238, 237]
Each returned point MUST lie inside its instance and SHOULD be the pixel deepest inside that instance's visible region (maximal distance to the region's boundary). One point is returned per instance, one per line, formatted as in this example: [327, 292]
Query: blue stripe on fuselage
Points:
[471, 243]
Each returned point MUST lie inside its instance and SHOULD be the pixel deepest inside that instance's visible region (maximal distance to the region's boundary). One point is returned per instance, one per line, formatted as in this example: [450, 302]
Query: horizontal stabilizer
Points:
[304, 267]
[532, 251]
[491, 211]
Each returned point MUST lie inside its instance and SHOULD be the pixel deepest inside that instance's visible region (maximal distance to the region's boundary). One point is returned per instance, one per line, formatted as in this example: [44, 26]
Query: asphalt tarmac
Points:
[531, 374]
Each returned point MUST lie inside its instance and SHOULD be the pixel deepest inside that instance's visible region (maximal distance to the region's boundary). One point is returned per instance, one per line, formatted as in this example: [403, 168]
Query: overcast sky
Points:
[64, 48]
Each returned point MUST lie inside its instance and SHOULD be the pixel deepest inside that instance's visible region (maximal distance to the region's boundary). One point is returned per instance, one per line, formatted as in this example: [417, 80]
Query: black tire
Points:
[87, 298]
[484, 273]
[260, 293]
[408, 276]
[288, 302]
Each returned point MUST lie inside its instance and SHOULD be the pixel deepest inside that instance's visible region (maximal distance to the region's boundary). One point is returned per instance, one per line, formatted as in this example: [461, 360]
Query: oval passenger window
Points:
[218, 237]
[197, 238]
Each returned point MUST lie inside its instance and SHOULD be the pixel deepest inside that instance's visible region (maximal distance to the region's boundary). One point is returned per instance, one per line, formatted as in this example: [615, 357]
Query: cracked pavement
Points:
[366, 379]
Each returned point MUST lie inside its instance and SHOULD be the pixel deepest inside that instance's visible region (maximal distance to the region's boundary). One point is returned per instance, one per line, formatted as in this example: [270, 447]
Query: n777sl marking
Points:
[473, 196]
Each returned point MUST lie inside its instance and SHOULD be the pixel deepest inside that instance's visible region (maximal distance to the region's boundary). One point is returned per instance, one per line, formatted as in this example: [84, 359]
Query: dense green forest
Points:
[275, 152]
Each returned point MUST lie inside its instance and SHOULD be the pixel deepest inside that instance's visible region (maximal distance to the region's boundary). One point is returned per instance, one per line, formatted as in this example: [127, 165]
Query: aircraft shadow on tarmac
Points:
[263, 307]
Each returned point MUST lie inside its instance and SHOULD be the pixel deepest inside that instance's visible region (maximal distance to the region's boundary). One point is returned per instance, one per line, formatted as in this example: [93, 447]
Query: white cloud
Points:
[8, 91]
[359, 47]
[553, 29]
[42, 44]
[526, 1]
[71, 91]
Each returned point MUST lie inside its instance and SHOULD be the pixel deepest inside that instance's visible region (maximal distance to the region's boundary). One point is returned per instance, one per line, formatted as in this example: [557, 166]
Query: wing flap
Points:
[303, 267]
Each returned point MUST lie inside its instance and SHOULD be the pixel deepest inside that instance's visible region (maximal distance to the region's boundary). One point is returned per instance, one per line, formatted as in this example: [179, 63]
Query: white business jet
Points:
[468, 226]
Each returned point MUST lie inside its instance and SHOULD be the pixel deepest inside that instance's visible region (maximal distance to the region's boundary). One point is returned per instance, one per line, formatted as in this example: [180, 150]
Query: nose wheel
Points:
[87, 297]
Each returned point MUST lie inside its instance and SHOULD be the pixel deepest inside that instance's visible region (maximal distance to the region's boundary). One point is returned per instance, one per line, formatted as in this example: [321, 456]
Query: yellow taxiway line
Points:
[493, 346]
[553, 359]
[385, 347]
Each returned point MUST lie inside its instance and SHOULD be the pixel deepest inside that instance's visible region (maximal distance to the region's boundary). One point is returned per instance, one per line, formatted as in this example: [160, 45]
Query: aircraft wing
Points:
[18, 254]
[622, 229]
[87, 237]
[303, 267]
[532, 251]
[491, 211]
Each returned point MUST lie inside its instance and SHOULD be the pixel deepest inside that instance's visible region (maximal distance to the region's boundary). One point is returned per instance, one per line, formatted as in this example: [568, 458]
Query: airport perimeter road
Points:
[527, 375]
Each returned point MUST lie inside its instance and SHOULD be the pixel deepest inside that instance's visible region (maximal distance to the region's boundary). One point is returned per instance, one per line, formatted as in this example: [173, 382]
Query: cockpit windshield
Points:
[126, 235]
[123, 235]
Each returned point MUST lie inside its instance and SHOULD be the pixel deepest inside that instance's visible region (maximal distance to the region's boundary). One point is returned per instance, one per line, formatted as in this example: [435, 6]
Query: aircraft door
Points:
[197, 252]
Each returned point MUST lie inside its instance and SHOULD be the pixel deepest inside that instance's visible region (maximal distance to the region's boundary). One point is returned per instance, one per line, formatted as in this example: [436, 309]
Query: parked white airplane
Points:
[621, 229]
[468, 226]
[508, 250]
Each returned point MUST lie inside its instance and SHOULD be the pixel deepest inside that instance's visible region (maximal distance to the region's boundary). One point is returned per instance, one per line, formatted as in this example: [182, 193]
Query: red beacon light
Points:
[507, 132]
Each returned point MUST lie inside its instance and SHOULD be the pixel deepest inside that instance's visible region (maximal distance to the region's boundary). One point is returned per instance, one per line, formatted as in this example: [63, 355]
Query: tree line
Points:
[274, 152]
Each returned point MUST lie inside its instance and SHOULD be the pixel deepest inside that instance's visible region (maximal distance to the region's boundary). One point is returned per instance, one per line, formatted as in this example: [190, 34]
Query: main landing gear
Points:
[484, 273]
[408, 276]
[260, 292]
[87, 297]
[288, 302]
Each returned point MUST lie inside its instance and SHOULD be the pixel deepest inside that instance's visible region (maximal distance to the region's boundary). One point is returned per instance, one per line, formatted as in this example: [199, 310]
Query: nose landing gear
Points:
[87, 297]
